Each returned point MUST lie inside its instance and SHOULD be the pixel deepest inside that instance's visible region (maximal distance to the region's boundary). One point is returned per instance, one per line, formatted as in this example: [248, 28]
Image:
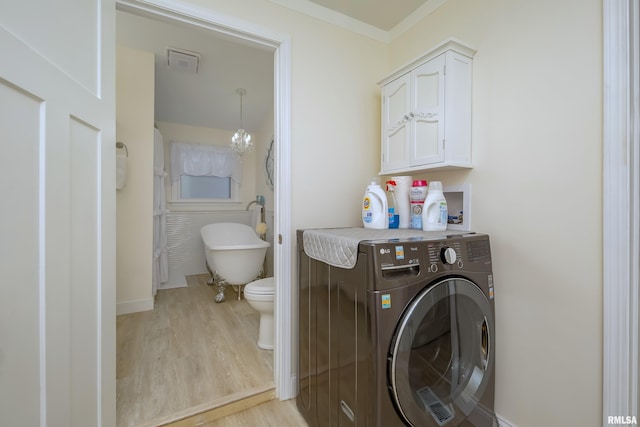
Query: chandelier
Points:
[241, 140]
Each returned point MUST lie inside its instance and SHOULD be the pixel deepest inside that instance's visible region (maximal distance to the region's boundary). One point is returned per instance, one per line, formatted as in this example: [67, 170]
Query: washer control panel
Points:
[397, 258]
[397, 255]
[402, 261]
[444, 253]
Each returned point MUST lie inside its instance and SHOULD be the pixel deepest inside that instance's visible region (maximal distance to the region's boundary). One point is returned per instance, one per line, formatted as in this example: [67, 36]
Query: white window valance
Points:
[204, 160]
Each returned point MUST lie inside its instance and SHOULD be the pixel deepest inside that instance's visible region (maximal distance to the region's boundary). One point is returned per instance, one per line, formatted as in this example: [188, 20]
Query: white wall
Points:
[220, 137]
[262, 138]
[134, 204]
[536, 186]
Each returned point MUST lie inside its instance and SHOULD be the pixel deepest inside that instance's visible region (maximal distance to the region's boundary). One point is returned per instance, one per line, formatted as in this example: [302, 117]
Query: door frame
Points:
[177, 10]
[621, 208]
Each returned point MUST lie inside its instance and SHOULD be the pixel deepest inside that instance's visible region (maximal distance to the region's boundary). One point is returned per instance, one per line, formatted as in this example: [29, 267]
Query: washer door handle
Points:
[484, 342]
[347, 411]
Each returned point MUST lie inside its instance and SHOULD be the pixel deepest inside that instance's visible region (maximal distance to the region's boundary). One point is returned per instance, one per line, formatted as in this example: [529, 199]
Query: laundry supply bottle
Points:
[418, 194]
[403, 207]
[435, 213]
[375, 213]
[394, 217]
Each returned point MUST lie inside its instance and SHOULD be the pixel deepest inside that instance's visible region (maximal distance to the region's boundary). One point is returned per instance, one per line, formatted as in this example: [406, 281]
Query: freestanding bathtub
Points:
[235, 254]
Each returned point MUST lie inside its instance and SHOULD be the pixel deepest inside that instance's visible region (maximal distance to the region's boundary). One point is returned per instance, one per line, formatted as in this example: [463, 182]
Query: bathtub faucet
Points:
[258, 201]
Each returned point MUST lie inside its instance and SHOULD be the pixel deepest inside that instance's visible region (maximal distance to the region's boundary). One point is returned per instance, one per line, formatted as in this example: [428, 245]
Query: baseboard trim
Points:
[127, 307]
[293, 387]
[502, 422]
[217, 409]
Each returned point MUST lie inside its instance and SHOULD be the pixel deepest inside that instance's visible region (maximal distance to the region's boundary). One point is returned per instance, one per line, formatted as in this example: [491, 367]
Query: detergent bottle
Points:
[435, 213]
[418, 194]
[394, 216]
[375, 212]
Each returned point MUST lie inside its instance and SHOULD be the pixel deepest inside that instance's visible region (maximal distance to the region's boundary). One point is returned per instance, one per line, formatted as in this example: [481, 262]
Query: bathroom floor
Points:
[188, 352]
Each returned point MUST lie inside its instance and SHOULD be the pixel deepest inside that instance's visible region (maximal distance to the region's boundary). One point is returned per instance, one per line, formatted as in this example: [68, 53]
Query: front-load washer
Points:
[402, 336]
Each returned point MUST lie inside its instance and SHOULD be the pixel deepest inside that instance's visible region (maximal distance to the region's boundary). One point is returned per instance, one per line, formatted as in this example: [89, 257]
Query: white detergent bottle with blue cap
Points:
[435, 214]
[374, 207]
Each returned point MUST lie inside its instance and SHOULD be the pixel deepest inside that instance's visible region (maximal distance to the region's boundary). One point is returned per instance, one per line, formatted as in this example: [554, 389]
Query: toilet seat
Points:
[262, 287]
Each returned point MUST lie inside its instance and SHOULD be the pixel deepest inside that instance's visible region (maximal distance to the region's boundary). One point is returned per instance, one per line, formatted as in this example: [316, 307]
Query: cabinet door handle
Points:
[397, 126]
[427, 116]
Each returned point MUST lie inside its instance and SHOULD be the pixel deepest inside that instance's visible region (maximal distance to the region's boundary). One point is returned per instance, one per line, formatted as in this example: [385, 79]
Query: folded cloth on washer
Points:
[339, 246]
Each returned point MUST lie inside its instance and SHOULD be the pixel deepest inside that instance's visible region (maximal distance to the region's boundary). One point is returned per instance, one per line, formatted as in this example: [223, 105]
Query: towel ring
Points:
[122, 145]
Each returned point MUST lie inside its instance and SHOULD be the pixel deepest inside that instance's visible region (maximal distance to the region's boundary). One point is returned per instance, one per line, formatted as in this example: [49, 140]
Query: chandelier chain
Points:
[241, 140]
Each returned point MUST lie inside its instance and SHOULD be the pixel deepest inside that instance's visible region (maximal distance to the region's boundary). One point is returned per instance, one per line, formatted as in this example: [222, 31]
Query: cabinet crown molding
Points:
[448, 44]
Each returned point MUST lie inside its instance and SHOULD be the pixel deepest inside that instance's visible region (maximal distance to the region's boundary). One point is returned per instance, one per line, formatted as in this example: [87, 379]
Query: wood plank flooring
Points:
[187, 354]
[273, 413]
[260, 409]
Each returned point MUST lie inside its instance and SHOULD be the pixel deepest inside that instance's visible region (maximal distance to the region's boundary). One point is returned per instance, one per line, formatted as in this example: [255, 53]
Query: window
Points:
[204, 173]
[205, 187]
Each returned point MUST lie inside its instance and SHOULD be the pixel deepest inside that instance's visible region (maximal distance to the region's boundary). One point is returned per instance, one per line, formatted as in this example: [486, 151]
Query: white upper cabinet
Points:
[426, 112]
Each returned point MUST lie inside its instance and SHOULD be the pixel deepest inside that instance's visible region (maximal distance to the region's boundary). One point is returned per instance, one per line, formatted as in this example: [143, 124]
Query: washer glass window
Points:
[442, 354]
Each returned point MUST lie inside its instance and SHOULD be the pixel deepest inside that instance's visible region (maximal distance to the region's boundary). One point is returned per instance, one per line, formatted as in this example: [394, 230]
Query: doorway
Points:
[244, 32]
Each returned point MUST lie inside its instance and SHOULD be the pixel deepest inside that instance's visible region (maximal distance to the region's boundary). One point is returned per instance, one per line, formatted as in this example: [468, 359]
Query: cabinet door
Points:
[395, 124]
[427, 112]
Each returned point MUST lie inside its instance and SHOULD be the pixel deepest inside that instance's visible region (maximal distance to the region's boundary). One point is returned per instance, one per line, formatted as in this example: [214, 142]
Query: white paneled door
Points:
[57, 222]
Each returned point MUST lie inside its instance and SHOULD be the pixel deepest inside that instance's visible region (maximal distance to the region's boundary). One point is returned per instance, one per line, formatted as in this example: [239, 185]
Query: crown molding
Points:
[336, 18]
[418, 15]
[356, 26]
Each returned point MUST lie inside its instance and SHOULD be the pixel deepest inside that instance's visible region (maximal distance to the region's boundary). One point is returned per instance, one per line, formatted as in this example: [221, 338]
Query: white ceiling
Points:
[209, 98]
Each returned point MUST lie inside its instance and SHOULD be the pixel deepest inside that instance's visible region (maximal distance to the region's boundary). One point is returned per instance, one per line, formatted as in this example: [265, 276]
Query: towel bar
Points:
[122, 145]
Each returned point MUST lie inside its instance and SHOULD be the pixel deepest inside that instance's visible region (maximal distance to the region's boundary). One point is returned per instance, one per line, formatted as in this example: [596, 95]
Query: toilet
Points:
[259, 295]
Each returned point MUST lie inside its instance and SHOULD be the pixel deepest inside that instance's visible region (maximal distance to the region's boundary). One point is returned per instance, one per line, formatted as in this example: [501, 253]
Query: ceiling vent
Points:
[183, 60]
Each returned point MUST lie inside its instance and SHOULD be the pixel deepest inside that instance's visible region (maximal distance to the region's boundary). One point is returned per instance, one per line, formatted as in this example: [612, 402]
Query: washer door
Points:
[442, 354]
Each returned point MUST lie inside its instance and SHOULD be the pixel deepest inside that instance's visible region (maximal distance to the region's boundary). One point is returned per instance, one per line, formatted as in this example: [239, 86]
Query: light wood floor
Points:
[187, 354]
[270, 414]
[257, 410]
